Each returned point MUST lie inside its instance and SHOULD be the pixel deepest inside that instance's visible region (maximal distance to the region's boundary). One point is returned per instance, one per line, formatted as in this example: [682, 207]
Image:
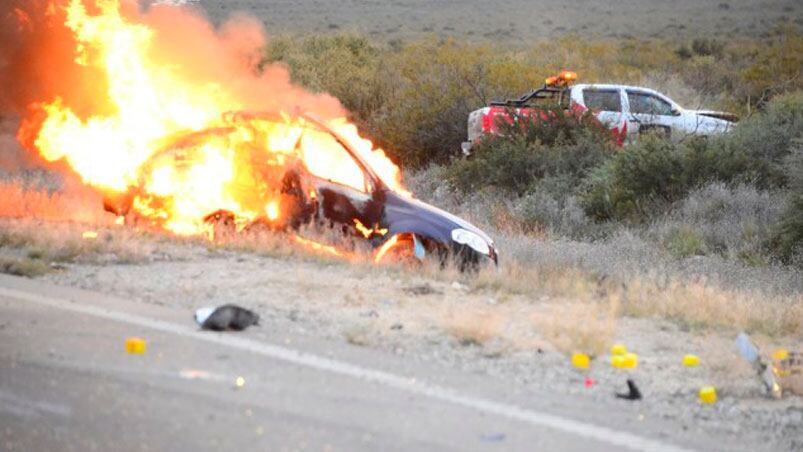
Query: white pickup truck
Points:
[628, 111]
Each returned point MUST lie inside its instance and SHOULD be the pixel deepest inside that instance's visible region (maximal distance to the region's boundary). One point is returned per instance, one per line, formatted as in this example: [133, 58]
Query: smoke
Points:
[229, 55]
[38, 65]
[37, 58]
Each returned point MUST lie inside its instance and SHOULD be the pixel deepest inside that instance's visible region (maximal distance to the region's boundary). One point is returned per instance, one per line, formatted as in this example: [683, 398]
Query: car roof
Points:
[612, 86]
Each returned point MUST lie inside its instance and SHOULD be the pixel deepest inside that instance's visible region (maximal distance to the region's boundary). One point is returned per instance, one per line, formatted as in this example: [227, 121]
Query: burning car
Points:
[173, 142]
[299, 186]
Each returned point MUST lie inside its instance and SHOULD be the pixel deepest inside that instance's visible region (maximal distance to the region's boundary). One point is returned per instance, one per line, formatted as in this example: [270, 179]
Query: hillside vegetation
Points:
[737, 197]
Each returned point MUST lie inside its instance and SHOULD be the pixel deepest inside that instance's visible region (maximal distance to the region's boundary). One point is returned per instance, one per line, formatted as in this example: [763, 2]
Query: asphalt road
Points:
[66, 383]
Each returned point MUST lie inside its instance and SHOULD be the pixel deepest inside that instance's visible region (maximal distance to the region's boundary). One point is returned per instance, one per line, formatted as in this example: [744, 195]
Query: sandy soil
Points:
[486, 331]
[516, 21]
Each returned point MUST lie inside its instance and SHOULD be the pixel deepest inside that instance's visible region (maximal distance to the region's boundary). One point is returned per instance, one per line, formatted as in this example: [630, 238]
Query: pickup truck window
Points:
[648, 104]
[602, 99]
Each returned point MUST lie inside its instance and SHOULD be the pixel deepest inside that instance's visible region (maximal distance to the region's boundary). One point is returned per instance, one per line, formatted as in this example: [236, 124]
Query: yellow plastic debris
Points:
[239, 382]
[618, 349]
[780, 354]
[691, 360]
[708, 395]
[630, 361]
[135, 345]
[580, 360]
[618, 361]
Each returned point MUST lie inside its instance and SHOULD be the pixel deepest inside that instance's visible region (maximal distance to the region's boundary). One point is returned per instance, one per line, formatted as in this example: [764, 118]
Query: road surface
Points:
[66, 383]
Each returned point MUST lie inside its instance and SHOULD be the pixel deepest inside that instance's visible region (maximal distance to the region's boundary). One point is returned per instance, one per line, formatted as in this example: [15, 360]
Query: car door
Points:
[343, 191]
[606, 104]
[649, 113]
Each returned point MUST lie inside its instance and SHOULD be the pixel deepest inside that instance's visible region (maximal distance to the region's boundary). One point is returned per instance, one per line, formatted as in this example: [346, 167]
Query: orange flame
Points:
[163, 134]
[317, 246]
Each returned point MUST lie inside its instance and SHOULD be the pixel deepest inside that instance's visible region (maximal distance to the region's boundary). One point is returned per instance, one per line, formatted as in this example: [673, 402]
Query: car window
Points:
[648, 104]
[327, 159]
[602, 99]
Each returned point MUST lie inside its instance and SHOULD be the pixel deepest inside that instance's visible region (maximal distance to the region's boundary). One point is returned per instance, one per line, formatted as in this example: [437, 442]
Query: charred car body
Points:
[393, 222]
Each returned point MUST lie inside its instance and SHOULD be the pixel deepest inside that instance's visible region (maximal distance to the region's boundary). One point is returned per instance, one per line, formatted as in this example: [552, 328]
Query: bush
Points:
[788, 234]
[562, 148]
[764, 140]
[733, 221]
[636, 180]
[685, 242]
[649, 176]
[413, 98]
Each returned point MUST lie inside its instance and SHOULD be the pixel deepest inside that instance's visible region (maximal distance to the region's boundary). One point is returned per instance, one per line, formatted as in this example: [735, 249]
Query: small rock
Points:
[369, 314]
[424, 289]
[492, 437]
[459, 286]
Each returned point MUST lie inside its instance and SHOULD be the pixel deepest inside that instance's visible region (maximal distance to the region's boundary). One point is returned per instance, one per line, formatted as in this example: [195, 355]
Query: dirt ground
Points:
[515, 21]
[433, 318]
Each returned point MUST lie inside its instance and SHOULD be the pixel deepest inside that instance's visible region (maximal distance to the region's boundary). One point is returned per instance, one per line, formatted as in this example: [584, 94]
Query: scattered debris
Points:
[226, 317]
[626, 361]
[135, 345]
[493, 437]
[789, 371]
[192, 374]
[239, 382]
[618, 361]
[89, 235]
[631, 361]
[618, 349]
[424, 289]
[396, 326]
[370, 314]
[588, 382]
[580, 360]
[632, 391]
[750, 353]
[691, 360]
[459, 286]
[708, 395]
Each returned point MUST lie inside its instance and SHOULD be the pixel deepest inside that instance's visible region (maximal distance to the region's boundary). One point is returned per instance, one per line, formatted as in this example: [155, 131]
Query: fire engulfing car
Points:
[353, 199]
[628, 111]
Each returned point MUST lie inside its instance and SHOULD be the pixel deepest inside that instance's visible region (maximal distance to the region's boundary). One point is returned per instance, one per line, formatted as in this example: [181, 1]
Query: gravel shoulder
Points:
[421, 318]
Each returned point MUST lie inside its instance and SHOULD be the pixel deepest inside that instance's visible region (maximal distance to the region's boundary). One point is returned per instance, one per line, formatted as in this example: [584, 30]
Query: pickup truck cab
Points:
[629, 111]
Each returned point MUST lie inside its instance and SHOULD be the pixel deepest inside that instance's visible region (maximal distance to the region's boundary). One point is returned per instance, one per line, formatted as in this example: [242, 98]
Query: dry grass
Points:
[473, 326]
[27, 267]
[579, 327]
[597, 301]
[33, 199]
[586, 296]
[698, 305]
[50, 241]
[358, 336]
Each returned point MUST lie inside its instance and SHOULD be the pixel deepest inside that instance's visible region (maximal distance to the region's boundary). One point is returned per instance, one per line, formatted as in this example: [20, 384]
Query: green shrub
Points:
[649, 176]
[636, 180]
[562, 148]
[763, 141]
[685, 242]
[788, 235]
[413, 98]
